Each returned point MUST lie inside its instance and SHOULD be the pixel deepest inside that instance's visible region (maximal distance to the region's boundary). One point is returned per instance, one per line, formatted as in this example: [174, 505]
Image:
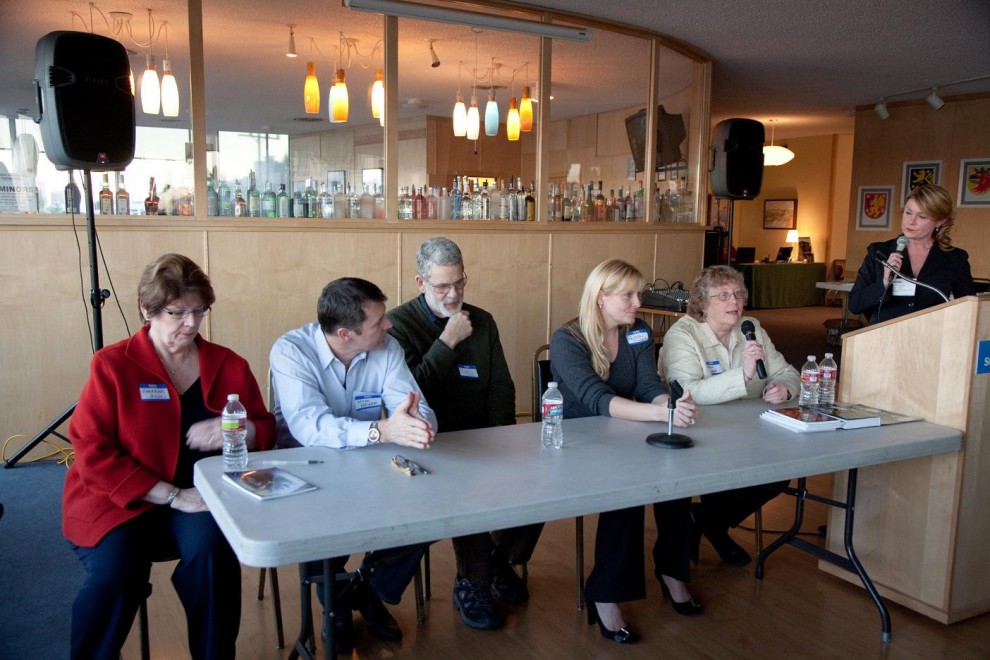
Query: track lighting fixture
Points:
[881, 109]
[290, 49]
[934, 100]
[433, 55]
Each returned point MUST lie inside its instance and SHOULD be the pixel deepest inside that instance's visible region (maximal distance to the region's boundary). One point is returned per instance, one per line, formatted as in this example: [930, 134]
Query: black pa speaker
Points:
[85, 105]
[737, 159]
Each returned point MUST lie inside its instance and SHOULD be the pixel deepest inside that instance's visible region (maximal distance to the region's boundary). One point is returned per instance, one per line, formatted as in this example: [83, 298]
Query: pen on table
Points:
[309, 462]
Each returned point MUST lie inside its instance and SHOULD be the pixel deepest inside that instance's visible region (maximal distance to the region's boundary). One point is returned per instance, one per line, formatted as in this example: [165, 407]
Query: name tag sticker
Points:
[467, 370]
[983, 356]
[367, 401]
[714, 367]
[902, 288]
[153, 392]
[637, 337]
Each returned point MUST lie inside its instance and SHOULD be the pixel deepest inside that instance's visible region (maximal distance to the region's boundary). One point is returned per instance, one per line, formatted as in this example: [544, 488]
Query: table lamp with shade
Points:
[792, 238]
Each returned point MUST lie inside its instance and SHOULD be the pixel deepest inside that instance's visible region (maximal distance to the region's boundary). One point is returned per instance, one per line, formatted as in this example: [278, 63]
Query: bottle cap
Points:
[233, 397]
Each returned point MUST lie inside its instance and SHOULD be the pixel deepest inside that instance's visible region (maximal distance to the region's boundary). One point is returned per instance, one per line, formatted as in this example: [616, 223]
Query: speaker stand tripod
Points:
[97, 297]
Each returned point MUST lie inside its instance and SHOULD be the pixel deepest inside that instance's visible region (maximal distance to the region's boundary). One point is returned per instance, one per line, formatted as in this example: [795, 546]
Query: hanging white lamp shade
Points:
[151, 93]
[491, 116]
[170, 91]
[473, 119]
[460, 118]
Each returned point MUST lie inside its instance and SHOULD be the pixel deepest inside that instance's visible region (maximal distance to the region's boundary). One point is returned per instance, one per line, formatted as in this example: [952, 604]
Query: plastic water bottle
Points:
[826, 385]
[552, 406]
[233, 427]
[809, 384]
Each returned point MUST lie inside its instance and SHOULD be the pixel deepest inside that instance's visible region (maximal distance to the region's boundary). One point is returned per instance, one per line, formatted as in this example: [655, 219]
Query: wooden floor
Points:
[796, 611]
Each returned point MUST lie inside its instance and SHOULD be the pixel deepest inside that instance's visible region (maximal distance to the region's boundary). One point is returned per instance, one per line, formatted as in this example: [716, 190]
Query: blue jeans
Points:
[207, 580]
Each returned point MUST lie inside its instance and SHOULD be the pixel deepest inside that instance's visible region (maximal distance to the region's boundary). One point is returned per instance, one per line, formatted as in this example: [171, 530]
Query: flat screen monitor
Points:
[745, 255]
[784, 253]
[670, 134]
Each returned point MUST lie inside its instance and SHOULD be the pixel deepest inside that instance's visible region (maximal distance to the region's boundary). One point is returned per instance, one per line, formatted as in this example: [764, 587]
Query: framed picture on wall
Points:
[974, 182]
[336, 180]
[919, 173]
[780, 214]
[372, 177]
[874, 210]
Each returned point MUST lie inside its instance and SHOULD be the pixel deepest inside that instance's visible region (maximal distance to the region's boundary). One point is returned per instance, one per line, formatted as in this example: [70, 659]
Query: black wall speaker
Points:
[84, 101]
[737, 159]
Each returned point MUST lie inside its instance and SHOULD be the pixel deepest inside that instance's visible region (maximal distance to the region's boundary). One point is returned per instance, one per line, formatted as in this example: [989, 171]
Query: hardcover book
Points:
[829, 418]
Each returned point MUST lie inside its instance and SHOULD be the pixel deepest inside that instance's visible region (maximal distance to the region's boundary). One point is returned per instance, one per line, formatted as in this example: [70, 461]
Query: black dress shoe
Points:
[507, 586]
[730, 551]
[688, 607]
[343, 631]
[377, 619]
[621, 636]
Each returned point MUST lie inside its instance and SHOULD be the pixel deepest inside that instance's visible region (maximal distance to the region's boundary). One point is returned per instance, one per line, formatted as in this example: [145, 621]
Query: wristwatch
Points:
[374, 435]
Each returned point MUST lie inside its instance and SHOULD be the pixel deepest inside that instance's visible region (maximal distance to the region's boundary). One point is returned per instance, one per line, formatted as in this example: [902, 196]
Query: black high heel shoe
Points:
[685, 608]
[620, 636]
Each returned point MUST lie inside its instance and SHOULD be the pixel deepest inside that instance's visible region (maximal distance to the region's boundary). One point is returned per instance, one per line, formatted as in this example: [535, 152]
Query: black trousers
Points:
[387, 572]
[726, 509]
[477, 554]
[619, 573]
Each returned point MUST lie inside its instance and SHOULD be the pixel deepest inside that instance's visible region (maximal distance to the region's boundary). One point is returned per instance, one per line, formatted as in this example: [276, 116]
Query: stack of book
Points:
[831, 418]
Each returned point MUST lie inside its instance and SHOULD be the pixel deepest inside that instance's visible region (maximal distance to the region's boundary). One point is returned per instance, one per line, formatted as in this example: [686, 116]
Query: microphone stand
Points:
[896, 273]
[670, 440]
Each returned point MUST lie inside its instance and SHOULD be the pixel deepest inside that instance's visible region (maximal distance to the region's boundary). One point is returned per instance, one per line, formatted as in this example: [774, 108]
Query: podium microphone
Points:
[671, 440]
[749, 332]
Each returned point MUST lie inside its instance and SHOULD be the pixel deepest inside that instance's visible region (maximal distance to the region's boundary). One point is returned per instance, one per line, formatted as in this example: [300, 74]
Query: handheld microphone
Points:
[749, 332]
[902, 243]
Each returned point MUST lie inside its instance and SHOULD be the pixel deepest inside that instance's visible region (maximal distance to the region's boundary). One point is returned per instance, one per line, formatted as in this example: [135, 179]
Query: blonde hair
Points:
[936, 202]
[607, 278]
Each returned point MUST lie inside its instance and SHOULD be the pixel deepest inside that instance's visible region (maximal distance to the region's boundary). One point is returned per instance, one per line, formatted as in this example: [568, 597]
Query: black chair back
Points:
[541, 376]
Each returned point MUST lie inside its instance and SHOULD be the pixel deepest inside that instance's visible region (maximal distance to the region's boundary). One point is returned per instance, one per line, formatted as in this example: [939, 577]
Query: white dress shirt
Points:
[320, 403]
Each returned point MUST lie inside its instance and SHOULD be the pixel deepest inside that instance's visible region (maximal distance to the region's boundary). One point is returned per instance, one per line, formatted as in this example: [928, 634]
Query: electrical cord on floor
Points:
[64, 455]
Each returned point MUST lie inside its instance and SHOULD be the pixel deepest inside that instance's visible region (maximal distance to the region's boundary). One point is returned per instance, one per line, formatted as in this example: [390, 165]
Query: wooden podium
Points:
[923, 526]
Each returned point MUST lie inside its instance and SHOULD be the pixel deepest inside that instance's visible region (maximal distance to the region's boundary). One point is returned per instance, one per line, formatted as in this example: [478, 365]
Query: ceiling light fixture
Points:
[881, 109]
[774, 155]
[458, 17]
[290, 49]
[526, 111]
[460, 112]
[170, 90]
[433, 56]
[934, 100]
[311, 90]
[378, 97]
[512, 121]
[473, 119]
[151, 91]
[339, 104]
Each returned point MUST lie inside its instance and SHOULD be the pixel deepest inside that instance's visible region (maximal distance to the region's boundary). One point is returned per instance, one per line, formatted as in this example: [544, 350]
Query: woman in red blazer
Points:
[151, 409]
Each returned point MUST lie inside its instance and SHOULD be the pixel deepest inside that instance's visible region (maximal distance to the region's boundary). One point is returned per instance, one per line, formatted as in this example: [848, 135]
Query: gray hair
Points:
[437, 251]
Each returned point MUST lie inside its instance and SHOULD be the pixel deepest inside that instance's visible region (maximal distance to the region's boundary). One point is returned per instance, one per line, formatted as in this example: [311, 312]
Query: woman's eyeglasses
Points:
[738, 294]
[183, 314]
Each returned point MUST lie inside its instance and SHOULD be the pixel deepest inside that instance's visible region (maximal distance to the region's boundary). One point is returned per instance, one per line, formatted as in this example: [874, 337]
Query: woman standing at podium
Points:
[604, 364]
[925, 224]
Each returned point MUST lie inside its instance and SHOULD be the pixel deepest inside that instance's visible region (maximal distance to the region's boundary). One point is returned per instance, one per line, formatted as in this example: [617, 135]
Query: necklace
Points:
[182, 362]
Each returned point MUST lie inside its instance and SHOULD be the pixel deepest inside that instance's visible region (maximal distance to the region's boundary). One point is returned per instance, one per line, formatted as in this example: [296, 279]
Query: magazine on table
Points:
[268, 483]
[830, 418]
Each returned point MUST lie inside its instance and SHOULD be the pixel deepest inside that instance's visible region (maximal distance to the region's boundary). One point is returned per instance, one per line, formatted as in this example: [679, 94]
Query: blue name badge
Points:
[367, 401]
[467, 370]
[151, 392]
[714, 367]
[983, 357]
[637, 337]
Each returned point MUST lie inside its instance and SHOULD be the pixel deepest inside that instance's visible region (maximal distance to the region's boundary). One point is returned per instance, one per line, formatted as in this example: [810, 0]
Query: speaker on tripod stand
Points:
[86, 117]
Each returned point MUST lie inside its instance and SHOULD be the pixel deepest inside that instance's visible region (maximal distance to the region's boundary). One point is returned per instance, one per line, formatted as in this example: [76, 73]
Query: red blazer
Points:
[125, 443]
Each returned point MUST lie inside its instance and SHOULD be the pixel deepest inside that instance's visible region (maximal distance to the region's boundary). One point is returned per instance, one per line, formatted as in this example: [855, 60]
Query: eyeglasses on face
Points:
[738, 294]
[444, 289]
[183, 314]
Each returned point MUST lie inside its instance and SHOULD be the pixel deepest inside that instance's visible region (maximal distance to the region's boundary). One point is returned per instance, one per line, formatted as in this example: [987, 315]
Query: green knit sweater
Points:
[468, 387]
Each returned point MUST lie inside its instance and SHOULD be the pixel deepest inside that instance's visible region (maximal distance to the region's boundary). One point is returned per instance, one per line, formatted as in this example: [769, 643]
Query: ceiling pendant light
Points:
[150, 89]
[338, 99]
[473, 119]
[378, 97]
[311, 90]
[512, 121]
[491, 115]
[170, 90]
[774, 155]
[526, 111]
[460, 112]
[290, 48]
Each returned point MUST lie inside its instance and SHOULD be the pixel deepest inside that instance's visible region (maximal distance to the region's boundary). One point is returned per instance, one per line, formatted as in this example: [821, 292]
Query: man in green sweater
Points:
[455, 355]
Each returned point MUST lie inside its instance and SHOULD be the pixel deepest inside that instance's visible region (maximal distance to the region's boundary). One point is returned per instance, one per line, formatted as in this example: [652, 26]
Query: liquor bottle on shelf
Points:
[510, 202]
[405, 204]
[367, 202]
[309, 192]
[324, 202]
[610, 206]
[184, 202]
[587, 205]
[486, 204]
[432, 204]
[299, 207]
[283, 203]
[339, 202]
[567, 204]
[165, 206]
[467, 200]
[269, 203]
[639, 207]
[443, 205]
[520, 200]
[240, 204]
[502, 207]
[558, 203]
[378, 199]
[551, 198]
[151, 202]
[226, 199]
[531, 202]
[254, 198]
[122, 197]
[212, 198]
[600, 206]
[353, 203]
[106, 196]
[72, 196]
[455, 199]
[629, 207]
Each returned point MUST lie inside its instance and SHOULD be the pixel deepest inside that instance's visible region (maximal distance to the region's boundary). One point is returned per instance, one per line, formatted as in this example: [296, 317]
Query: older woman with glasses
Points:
[151, 409]
[707, 352]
